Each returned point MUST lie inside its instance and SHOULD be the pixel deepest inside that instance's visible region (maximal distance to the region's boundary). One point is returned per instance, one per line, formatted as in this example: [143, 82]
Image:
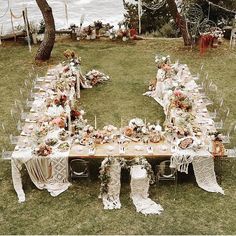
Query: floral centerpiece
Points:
[71, 56]
[95, 77]
[174, 131]
[43, 150]
[161, 60]
[180, 100]
[138, 130]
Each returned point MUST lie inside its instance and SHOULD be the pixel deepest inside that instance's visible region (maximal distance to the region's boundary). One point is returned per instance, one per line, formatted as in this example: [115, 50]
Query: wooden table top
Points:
[132, 149]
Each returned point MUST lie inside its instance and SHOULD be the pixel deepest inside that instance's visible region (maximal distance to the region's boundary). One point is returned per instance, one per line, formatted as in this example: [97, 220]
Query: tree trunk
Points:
[45, 48]
[180, 21]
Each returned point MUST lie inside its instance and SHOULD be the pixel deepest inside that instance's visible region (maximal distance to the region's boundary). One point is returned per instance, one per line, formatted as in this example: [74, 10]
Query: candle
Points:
[69, 118]
[145, 121]
[78, 85]
[69, 124]
[95, 122]
[120, 122]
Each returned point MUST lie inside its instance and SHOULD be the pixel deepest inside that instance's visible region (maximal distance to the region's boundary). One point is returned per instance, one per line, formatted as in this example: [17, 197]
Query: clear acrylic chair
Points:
[223, 116]
[213, 114]
[6, 155]
[4, 130]
[217, 108]
[79, 168]
[14, 139]
[226, 139]
[5, 143]
[29, 103]
[24, 116]
[165, 173]
[231, 152]
[202, 88]
[202, 67]
[233, 38]
[212, 92]
[18, 107]
[206, 90]
[19, 126]
[199, 75]
[14, 115]
[27, 84]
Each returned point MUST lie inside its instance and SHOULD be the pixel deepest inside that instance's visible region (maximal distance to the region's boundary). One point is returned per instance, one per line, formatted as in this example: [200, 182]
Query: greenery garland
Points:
[146, 165]
[104, 173]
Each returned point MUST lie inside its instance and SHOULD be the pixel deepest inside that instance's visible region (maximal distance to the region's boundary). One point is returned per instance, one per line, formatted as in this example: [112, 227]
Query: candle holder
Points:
[91, 151]
[121, 149]
[150, 150]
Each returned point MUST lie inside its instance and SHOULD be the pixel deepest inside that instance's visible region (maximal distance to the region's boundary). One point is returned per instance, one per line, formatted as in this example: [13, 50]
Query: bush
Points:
[41, 27]
[168, 30]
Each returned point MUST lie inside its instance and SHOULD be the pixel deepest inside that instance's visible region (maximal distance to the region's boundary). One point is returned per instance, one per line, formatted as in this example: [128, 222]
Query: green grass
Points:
[78, 210]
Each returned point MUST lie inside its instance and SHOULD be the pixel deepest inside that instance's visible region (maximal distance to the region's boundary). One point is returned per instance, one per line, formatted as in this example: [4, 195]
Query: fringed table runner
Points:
[110, 187]
[205, 175]
[139, 191]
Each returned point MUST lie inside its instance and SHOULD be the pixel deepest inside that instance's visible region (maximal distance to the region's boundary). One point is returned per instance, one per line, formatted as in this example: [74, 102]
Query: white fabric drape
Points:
[139, 192]
[49, 173]
[205, 175]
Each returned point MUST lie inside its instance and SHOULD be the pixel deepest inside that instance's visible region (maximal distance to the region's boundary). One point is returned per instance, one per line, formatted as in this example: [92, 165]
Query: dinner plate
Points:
[138, 148]
[110, 148]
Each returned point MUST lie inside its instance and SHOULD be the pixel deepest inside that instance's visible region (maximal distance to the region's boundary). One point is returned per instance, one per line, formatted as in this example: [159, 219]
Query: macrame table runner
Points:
[49, 173]
[139, 192]
[111, 199]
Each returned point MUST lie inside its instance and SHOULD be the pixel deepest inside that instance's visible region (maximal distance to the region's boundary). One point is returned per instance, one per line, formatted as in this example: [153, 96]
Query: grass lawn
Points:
[79, 211]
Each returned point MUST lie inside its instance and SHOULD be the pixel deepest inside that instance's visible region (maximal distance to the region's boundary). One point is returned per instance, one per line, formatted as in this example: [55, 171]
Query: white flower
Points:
[90, 129]
[109, 128]
[158, 128]
[82, 112]
[144, 130]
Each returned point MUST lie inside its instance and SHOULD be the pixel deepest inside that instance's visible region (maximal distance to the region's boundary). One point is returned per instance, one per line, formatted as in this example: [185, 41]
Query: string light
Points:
[223, 8]
[155, 6]
[7, 8]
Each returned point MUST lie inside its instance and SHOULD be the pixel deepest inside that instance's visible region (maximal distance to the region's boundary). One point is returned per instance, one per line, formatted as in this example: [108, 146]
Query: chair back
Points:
[231, 129]
[233, 38]
[164, 171]
[78, 168]
[6, 155]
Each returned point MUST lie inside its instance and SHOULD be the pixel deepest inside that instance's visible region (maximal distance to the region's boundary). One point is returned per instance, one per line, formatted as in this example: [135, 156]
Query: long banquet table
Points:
[51, 172]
